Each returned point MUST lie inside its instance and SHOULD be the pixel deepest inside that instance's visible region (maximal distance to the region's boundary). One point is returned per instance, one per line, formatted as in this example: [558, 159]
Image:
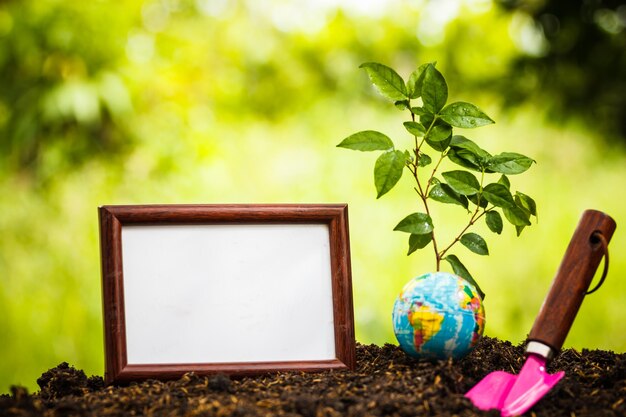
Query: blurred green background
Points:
[224, 101]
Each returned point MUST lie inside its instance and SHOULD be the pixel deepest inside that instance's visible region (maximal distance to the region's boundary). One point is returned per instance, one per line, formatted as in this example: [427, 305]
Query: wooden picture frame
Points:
[169, 272]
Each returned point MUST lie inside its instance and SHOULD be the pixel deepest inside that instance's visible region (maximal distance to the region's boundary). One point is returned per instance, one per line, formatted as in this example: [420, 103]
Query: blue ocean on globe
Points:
[438, 315]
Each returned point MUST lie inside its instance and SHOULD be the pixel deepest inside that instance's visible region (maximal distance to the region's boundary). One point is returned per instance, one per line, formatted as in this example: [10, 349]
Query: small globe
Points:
[438, 315]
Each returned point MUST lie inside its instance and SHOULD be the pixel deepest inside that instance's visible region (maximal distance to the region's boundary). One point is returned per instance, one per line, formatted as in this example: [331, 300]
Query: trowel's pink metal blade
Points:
[492, 390]
[532, 383]
[514, 394]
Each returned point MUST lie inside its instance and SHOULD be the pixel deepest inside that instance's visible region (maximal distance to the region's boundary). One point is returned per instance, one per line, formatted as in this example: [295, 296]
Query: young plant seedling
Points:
[470, 185]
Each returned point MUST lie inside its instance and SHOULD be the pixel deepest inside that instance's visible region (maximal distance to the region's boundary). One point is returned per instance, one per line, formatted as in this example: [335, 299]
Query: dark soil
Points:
[385, 383]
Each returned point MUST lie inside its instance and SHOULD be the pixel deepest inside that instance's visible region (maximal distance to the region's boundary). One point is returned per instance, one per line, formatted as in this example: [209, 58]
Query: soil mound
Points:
[386, 383]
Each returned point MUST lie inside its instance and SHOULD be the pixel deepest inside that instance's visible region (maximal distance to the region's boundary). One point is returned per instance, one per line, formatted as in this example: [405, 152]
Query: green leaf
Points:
[402, 104]
[498, 195]
[416, 223]
[509, 163]
[475, 243]
[388, 170]
[416, 79]
[414, 128]
[494, 221]
[424, 160]
[519, 229]
[468, 154]
[367, 140]
[462, 182]
[419, 111]
[463, 158]
[386, 80]
[504, 180]
[474, 199]
[418, 242]
[474, 159]
[461, 142]
[445, 194]
[439, 132]
[439, 146]
[517, 216]
[527, 202]
[465, 115]
[461, 271]
[434, 90]
[427, 119]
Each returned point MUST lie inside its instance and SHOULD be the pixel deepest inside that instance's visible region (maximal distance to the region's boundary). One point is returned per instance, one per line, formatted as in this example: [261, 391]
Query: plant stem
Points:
[432, 174]
[420, 191]
[473, 220]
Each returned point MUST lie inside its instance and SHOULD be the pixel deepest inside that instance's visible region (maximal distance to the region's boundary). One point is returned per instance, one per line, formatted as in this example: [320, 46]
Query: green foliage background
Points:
[214, 101]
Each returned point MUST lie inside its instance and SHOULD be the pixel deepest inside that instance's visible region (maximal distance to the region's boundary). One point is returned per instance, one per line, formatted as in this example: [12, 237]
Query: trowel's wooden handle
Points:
[572, 280]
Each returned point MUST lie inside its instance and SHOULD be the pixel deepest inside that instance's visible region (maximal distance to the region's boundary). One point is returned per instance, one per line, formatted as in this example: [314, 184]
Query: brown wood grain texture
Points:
[572, 280]
[342, 289]
[236, 369]
[220, 213]
[112, 294]
[112, 219]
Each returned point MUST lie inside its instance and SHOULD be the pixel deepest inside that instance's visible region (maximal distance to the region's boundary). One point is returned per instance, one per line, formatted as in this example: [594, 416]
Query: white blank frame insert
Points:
[237, 289]
[269, 310]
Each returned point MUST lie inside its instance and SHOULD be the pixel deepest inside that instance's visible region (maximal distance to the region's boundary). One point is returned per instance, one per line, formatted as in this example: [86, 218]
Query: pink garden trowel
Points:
[515, 394]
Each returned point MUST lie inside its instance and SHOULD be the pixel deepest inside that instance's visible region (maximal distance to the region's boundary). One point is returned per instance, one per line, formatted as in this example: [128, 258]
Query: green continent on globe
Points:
[438, 315]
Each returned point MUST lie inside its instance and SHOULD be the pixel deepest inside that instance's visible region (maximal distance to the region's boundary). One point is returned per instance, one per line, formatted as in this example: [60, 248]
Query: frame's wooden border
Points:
[112, 218]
